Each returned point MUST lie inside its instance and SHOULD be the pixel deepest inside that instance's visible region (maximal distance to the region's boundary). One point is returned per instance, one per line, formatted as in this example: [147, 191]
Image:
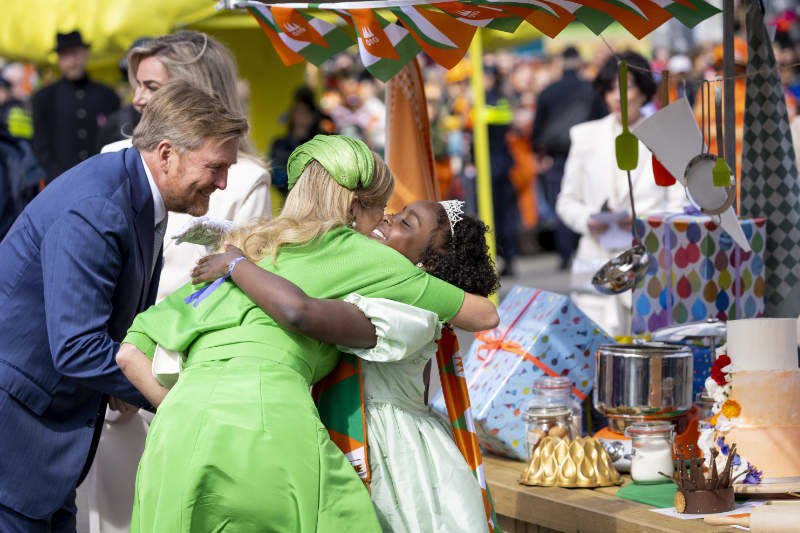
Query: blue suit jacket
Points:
[75, 269]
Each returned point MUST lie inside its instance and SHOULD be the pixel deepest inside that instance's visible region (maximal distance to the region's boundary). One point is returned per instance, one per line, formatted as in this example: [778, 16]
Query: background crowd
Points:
[51, 119]
[553, 112]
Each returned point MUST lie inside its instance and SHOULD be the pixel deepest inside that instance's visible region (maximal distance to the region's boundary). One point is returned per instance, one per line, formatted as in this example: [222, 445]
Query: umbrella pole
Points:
[480, 139]
[729, 100]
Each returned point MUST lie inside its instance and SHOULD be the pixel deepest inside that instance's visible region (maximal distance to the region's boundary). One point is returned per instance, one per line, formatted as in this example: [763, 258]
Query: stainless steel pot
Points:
[635, 382]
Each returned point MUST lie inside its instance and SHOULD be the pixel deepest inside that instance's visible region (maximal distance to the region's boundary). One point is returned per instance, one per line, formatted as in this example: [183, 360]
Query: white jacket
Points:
[592, 178]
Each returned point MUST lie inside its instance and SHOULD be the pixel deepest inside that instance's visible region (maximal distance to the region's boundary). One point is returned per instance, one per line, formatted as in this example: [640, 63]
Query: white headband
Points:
[454, 210]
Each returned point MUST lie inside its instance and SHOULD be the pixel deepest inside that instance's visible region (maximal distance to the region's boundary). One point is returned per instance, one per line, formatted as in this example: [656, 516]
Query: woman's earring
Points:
[353, 224]
[419, 265]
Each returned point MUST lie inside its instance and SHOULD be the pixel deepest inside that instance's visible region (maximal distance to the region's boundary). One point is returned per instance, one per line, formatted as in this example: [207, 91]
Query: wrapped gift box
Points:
[698, 272]
[540, 333]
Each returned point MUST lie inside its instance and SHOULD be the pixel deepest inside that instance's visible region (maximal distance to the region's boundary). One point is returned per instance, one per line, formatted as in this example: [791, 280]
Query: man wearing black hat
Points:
[68, 113]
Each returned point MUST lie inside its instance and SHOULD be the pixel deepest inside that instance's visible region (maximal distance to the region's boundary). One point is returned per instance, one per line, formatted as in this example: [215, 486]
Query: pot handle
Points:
[656, 385]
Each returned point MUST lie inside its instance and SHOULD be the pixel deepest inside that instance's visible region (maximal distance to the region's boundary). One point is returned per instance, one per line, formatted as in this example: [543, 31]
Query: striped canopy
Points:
[444, 30]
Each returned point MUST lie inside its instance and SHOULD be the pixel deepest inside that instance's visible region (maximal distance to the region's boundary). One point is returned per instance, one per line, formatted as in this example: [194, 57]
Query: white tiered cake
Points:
[761, 414]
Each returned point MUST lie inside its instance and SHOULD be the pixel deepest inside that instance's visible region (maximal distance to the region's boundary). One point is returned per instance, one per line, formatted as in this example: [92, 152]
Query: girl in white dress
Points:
[420, 481]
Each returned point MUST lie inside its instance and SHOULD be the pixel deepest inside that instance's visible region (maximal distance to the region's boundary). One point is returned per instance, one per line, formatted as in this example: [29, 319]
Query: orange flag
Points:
[297, 26]
[409, 152]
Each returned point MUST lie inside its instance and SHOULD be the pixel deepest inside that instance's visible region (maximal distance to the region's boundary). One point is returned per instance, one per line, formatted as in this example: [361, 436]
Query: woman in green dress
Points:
[238, 445]
[420, 480]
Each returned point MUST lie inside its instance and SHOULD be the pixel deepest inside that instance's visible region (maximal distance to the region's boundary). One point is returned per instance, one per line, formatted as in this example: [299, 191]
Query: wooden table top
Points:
[575, 510]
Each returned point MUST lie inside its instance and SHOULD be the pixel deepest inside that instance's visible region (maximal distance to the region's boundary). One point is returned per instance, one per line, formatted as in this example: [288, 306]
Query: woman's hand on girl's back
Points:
[215, 266]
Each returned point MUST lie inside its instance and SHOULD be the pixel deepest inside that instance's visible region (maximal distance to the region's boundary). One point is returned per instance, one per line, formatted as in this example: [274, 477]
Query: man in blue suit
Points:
[77, 266]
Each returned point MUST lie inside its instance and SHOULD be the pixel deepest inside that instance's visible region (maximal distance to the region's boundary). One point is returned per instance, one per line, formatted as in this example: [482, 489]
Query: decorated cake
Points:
[756, 392]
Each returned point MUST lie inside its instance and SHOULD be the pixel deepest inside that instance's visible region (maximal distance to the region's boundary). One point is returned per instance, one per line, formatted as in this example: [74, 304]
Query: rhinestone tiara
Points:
[454, 210]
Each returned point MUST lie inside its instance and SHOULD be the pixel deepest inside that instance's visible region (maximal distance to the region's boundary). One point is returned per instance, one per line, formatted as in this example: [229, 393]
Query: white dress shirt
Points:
[159, 208]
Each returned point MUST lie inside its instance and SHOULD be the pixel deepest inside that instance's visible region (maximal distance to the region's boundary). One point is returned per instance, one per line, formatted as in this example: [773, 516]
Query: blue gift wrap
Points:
[540, 333]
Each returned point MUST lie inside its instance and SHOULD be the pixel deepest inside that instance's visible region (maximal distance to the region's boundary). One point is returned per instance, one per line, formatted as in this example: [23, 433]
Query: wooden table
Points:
[523, 509]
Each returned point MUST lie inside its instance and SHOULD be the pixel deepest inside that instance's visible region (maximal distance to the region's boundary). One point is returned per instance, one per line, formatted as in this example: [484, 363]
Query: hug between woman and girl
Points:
[238, 444]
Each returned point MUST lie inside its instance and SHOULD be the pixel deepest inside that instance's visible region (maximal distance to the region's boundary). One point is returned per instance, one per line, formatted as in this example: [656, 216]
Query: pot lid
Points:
[535, 411]
[645, 349]
[648, 428]
[693, 330]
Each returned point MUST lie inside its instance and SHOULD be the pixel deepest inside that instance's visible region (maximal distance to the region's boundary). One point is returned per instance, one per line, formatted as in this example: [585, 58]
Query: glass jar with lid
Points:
[651, 454]
[547, 421]
[554, 391]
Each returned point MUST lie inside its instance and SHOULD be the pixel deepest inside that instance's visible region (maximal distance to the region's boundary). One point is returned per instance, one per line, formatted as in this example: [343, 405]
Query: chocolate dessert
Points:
[696, 493]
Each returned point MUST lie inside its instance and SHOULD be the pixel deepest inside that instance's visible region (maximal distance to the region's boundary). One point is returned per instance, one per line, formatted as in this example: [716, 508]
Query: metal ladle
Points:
[626, 270]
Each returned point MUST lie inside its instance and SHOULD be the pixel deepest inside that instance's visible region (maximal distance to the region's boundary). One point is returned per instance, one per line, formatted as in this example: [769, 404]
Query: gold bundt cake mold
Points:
[580, 462]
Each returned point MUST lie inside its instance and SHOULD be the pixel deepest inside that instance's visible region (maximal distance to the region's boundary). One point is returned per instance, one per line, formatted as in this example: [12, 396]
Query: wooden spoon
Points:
[627, 146]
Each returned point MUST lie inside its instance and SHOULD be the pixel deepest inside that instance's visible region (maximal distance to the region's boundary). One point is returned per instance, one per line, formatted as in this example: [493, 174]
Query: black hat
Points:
[570, 52]
[72, 39]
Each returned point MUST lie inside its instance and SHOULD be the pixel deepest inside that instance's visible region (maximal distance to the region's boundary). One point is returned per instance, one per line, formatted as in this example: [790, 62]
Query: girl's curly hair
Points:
[463, 260]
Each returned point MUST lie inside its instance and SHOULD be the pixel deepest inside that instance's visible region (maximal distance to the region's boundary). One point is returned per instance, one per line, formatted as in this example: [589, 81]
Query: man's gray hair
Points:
[186, 116]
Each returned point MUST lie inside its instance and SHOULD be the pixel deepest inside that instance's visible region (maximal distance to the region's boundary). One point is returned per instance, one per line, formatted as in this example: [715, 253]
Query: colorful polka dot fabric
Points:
[540, 333]
[703, 360]
[698, 272]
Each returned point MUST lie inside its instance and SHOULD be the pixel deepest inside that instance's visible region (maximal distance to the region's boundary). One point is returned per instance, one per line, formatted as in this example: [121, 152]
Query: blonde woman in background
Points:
[206, 63]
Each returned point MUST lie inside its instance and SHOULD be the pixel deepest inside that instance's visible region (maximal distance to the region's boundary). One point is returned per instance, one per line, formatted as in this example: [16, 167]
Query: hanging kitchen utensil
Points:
[673, 136]
[662, 176]
[699, 174]
[626, 270]
[627, 146]
[721, 173]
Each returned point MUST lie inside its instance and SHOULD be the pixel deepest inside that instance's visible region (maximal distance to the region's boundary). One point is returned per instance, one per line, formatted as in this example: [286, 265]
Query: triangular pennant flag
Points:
[314, 39]
[264, 19]
[548, 17]
[296, 26]
[691, 12]
[481, 16]
[372, 37]
[639, 17]
[439, 28]
[385, 48]
[443, 38]
[596, 21]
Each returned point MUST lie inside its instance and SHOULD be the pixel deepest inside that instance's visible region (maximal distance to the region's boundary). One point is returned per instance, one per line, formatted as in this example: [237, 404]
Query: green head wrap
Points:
[348, 160]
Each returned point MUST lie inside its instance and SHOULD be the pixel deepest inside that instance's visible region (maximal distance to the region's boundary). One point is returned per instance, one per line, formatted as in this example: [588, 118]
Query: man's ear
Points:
[164, 151]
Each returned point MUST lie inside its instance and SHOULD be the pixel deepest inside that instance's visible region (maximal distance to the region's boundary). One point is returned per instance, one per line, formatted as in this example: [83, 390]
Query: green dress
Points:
[237, 445]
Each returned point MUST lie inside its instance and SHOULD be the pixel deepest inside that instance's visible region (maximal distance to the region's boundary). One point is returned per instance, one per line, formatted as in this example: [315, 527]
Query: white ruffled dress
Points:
[420, 481]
